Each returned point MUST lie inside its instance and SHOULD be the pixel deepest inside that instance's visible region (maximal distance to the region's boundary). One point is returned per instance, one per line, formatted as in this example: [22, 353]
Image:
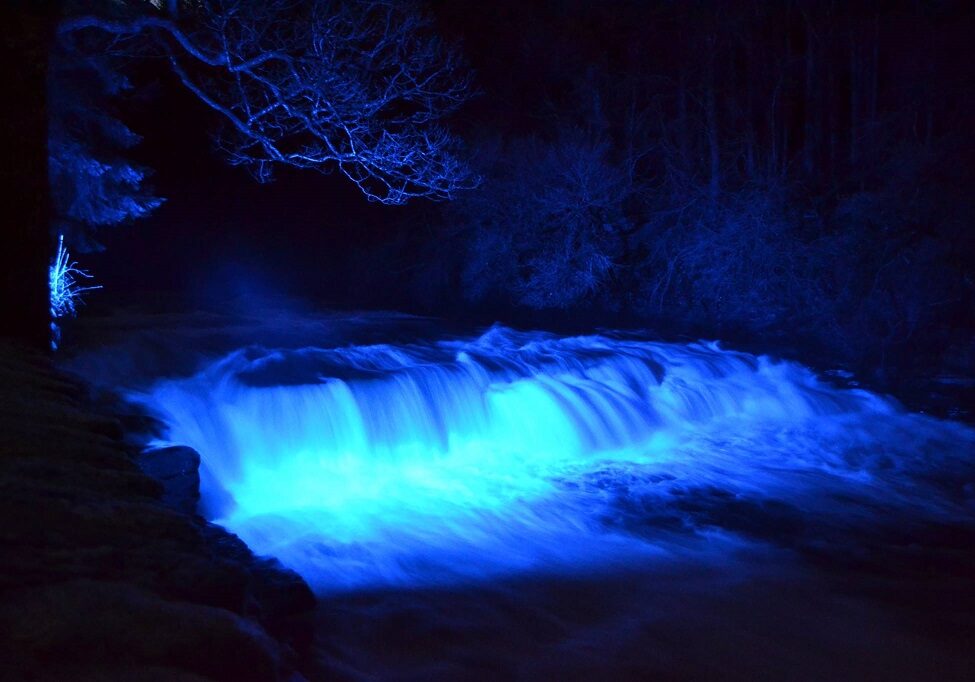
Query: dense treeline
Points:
[792, 169]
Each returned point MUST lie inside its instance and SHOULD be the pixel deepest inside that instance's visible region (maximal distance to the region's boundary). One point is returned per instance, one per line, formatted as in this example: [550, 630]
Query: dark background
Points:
[830, 143]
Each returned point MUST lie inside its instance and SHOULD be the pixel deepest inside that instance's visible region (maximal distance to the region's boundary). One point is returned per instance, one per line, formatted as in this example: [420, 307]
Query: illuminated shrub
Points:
[64, 280]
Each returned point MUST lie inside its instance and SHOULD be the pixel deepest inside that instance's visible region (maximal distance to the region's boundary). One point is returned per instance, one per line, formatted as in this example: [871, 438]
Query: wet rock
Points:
[106, 570]
[283, 602]
[286, 603]
[86, 624]
[141, 428]
[177, 468]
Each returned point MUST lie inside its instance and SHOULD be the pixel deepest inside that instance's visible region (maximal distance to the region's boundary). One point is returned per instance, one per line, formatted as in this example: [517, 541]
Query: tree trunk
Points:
[25, 312]
[750, 82]
[810, 123]
[831, 102]
[854, 100]
[682, 136]
[872, 85]
[711, 115]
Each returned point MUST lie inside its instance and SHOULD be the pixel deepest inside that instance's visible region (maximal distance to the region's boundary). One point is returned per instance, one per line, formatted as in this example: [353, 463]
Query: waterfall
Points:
[461, 459]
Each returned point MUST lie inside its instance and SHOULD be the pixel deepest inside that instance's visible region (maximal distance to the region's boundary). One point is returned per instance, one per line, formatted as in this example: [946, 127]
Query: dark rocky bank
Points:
[106, 571]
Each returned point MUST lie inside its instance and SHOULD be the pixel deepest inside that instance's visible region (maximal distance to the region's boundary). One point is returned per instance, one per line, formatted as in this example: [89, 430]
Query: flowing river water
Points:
[522, 505]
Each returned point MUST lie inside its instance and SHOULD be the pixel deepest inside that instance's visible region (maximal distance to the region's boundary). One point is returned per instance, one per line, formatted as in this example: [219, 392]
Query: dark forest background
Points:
[798, 172]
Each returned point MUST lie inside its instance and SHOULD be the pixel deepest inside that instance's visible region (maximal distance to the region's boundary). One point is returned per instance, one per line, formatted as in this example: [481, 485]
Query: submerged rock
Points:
[177, 468]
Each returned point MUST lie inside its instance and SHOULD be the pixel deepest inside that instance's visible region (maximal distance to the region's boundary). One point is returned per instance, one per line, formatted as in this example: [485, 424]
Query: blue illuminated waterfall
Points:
[459, 460]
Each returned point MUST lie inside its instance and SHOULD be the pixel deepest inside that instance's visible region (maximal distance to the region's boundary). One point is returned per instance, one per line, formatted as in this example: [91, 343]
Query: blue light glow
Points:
[64, 288]
[512, 452]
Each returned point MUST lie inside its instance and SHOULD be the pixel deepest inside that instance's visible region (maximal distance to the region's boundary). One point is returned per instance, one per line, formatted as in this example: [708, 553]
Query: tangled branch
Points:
[356, 85]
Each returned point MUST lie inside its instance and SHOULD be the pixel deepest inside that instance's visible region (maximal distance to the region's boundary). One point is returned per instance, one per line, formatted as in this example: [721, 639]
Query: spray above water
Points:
[460, 460]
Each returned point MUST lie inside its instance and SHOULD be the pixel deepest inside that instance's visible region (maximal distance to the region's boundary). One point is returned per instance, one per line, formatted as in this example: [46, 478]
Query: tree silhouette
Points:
[93, 185]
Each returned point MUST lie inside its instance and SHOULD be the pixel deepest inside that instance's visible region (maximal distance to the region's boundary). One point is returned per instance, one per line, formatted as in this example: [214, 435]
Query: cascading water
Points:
[427, 464]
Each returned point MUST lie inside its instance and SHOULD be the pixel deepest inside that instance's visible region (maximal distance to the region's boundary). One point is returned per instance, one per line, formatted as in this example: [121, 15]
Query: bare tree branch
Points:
[355, 85]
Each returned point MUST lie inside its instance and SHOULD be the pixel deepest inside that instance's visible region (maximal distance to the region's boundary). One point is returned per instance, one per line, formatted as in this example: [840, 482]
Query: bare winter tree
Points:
[357, 86]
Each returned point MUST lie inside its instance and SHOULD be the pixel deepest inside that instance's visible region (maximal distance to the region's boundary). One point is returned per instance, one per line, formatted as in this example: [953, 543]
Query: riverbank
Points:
[105, 573]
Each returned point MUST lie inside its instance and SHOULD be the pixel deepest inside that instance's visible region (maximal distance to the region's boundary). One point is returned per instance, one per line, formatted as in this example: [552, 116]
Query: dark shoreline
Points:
[106, 574]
